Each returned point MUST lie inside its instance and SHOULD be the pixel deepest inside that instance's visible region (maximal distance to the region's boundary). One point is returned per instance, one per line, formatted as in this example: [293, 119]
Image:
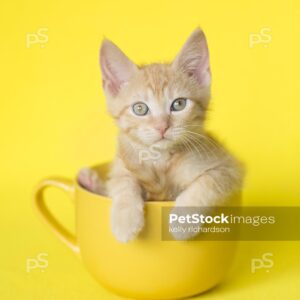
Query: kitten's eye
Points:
[178, 104]
[140, 109]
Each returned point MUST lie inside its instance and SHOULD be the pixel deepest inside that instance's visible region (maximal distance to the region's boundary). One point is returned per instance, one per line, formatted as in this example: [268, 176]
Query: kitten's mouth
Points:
[164, 142]
[162, 139]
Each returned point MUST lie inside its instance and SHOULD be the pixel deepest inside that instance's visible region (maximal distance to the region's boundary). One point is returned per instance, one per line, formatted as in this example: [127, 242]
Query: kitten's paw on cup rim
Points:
[90, 180]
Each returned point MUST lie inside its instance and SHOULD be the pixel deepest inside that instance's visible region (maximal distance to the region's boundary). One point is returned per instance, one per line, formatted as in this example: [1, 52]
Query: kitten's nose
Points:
[162, 128]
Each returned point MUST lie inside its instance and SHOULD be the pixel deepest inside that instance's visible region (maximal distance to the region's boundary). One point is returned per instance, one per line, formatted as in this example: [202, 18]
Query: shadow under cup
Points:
[146, 268]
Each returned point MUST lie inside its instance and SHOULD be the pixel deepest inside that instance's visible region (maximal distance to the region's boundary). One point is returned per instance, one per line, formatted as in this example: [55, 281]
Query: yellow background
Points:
[53, 121]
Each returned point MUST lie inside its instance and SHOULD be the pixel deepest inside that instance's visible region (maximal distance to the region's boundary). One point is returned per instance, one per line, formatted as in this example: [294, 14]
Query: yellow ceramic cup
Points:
[146, 268]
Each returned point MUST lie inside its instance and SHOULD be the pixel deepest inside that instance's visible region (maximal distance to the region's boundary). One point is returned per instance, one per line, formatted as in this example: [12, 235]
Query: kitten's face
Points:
[158, 104]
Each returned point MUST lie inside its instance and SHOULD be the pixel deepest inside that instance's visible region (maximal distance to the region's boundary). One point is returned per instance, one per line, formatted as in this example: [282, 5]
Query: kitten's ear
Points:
[193, 59]
[116, 67]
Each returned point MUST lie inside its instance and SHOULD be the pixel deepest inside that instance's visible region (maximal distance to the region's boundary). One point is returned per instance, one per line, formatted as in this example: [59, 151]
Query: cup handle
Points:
[39, 203]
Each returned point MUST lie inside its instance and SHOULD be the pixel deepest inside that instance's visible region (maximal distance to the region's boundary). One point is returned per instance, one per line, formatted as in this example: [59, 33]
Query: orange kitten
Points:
[163, 152]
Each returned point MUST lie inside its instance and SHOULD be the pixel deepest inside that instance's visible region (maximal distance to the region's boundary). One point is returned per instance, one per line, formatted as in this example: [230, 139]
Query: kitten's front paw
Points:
[90, 180]
[127, 221]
